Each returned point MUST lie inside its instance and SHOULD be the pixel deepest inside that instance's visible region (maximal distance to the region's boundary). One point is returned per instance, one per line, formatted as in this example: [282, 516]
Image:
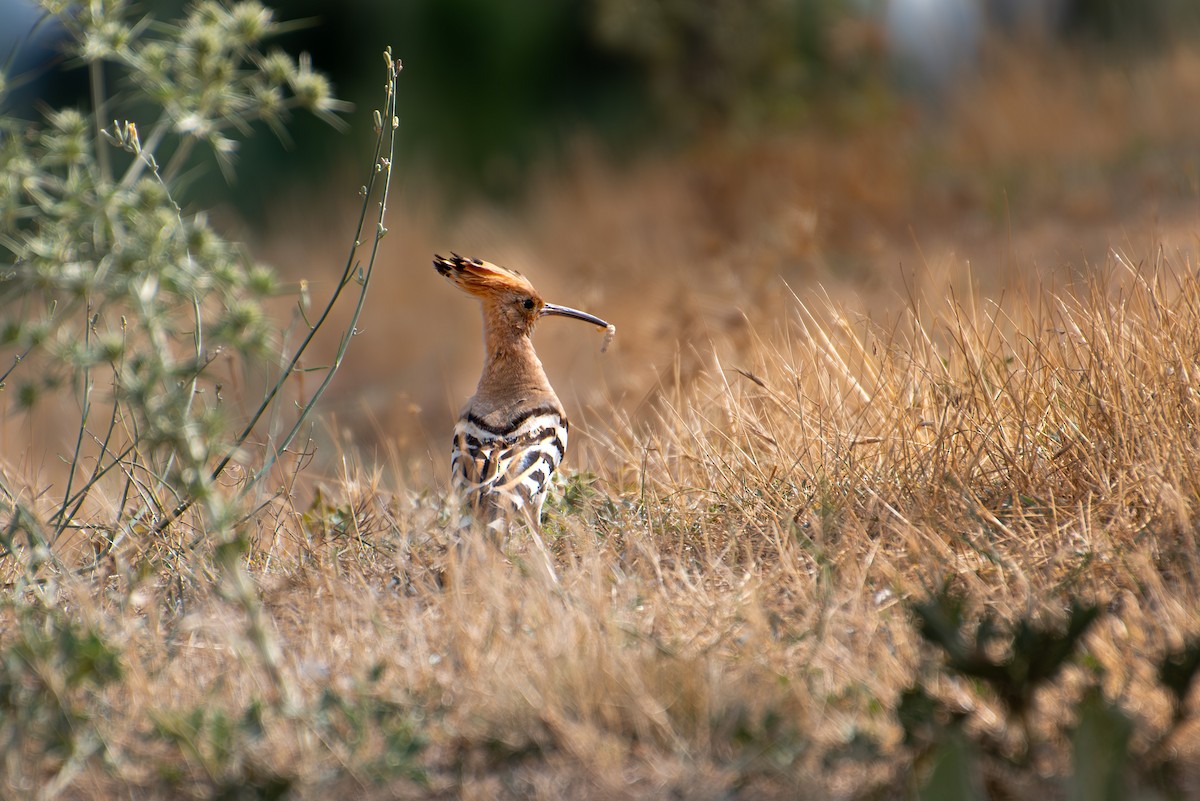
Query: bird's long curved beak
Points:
[564, 311]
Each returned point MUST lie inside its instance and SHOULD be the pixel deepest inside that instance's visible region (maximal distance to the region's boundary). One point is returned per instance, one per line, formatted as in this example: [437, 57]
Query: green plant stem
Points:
[16, 362]
[99, 104]
[81, 494]
[348, 274]
[84, 413]
[112, 425]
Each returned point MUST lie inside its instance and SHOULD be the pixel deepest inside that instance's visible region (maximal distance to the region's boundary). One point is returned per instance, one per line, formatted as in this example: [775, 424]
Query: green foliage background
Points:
[493, 87]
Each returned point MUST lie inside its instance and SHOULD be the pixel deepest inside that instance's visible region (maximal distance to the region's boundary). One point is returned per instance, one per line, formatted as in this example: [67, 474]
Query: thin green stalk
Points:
[198, 343]
[99, 104]
[81, 493]
[84, 413]
[91, 482]
[352, 329]
[20, 357]
[348, 274]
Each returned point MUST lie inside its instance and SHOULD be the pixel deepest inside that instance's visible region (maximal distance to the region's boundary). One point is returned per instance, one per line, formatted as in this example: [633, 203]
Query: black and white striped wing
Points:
[508, 468]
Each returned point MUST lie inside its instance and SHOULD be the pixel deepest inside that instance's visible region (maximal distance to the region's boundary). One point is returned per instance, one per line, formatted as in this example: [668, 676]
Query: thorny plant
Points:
[1014, 665]
[137, 309]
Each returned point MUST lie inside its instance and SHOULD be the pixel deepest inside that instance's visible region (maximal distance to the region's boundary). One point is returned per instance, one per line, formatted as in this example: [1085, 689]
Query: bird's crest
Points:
[482, 278]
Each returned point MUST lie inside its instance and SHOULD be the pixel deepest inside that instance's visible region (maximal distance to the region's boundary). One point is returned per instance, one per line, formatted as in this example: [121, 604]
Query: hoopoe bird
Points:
[512, 434]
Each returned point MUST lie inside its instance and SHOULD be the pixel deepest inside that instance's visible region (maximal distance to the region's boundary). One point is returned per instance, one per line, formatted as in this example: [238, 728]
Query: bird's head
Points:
[508, 297]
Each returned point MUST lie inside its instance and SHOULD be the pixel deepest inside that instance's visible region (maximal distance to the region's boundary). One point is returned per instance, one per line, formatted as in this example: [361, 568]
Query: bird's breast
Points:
[506, 464]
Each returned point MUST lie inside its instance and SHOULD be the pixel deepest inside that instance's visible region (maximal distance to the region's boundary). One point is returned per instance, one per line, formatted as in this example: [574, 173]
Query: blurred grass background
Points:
[676, 165]
[492, 89]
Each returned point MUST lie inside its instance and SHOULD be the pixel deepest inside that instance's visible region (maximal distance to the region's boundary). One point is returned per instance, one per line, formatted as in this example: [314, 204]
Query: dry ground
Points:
[852, 366]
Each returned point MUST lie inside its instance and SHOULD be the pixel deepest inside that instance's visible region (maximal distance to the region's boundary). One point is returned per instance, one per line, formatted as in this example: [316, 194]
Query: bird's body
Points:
[508, 466]
[512, 434]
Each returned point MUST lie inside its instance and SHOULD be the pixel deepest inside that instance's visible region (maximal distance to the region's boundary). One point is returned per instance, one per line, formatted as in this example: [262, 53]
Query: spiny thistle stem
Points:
[379, 167]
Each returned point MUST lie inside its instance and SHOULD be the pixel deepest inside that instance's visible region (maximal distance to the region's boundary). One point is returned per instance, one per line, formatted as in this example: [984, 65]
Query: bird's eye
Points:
[529, 304]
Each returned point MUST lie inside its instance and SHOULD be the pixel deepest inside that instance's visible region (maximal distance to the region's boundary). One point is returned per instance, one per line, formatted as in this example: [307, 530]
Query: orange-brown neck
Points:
[513, 378]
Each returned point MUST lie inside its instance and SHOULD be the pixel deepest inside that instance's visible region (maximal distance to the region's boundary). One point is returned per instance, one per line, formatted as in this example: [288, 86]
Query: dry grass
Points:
[765, 472]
